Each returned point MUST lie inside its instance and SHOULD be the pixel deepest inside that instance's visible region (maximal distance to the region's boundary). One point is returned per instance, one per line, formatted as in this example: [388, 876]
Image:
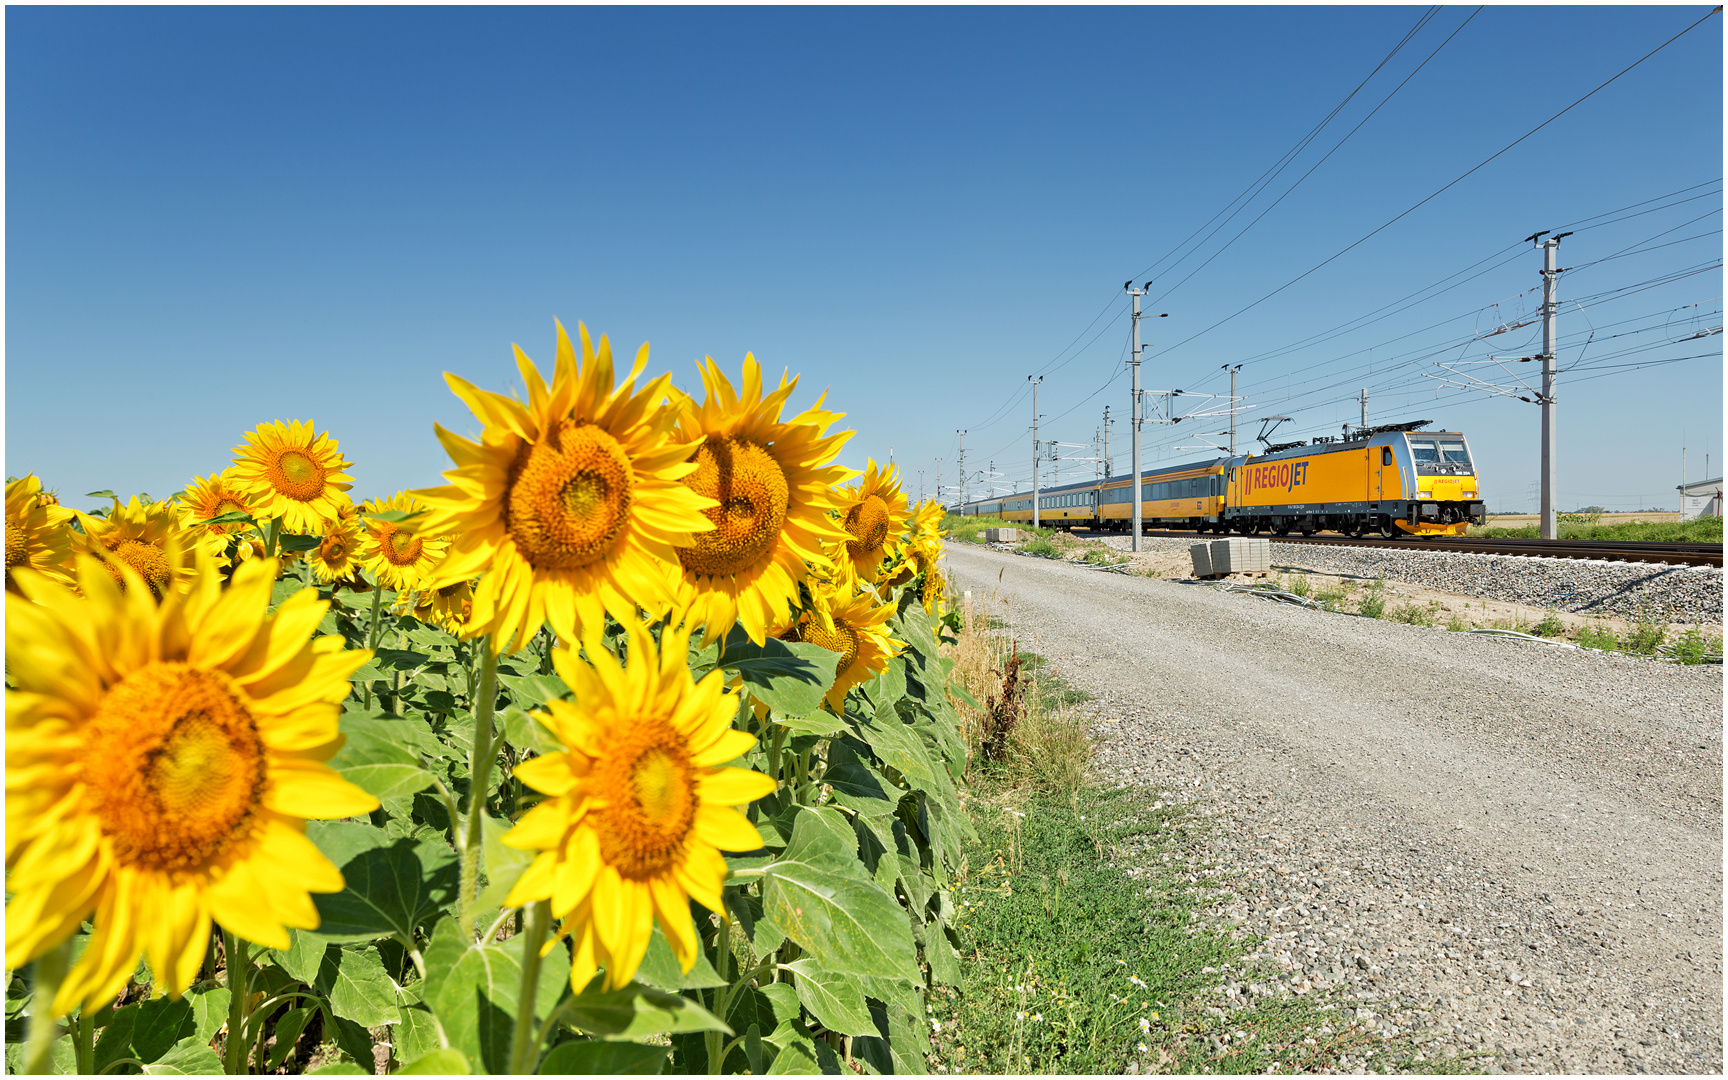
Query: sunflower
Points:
[36, 532]
[639, 804]
[572, 504]
[773, 489]
[147, 537]
[849, 620]
[398, 554]
[288, 471]
[933, 588]
[161, 760]
[875, 517]
[926, 522]
[337, 556]
[213, 496]
[448, 607]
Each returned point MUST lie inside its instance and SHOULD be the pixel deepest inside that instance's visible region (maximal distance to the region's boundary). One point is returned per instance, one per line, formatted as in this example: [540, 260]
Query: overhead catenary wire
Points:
[1441, 190]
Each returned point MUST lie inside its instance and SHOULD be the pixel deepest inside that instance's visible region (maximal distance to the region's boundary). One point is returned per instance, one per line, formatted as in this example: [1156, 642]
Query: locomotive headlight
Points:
[1424, 494]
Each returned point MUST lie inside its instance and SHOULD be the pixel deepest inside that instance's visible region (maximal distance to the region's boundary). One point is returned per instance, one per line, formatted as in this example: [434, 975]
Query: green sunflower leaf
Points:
[473, 987]
[590, 1057]
[393, 885]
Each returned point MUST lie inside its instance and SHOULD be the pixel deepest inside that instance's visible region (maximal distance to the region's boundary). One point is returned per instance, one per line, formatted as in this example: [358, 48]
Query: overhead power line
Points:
[1448, 186]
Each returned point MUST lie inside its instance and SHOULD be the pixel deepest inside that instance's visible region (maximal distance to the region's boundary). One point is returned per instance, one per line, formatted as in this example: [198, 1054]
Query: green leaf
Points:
[287, 1031]
[393, 517]
[790, 677]
[104, 494]
[291, 542]
[384, 756]
[900, 747]
[818, 831]
[232, 517]
[833, 998]
[303, 956]
[800, 1055]
[392, 885]
[473, 988]
[856, 783]
[189, 1057]
[840, 916]
[888, 685]
[446, 1062]
[526, 733]
[636, 1011]
[660, 970]
[820, 723]
[358, 987]
[533, 691]
[400, 659]
[503, 864]
[339, 1068]
[209, 1013]
[415, 1033]
[589, 1056]
[145, 1030]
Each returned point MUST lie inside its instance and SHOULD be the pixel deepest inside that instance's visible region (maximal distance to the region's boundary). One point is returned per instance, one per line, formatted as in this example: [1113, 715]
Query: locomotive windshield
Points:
[1440, 455]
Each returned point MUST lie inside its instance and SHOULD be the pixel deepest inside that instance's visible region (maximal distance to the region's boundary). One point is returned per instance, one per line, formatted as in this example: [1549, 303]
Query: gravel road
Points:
[1493, 846]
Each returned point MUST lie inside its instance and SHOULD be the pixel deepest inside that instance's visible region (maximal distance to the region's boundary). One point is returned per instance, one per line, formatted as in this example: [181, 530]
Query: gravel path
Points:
[1495, 846]
[1689, 594]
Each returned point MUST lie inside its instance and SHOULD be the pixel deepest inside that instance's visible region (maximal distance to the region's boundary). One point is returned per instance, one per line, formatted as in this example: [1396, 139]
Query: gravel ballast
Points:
[1492, 846]
[1674, 594]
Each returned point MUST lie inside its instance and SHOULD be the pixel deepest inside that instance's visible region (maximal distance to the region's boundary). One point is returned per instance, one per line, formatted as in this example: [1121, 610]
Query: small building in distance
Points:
[1701, 499]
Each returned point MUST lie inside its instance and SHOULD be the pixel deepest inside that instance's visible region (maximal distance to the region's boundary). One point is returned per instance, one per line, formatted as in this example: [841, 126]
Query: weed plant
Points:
[1550, 626]
[1040, 545]
[1415, 614]
[1597, 636]
[1696, 647]
[1373, 604]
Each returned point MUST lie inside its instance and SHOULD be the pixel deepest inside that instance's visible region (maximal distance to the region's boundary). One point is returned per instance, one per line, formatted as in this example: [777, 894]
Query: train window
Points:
[1454, 452]
[1385, 455]
[1425, 452]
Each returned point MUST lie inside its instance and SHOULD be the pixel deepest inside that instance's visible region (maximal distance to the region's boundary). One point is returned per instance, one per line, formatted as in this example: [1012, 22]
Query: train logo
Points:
[1278, 476]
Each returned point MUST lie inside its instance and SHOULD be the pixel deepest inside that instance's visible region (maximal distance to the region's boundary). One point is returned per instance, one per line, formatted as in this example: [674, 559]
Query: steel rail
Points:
[1682, 554]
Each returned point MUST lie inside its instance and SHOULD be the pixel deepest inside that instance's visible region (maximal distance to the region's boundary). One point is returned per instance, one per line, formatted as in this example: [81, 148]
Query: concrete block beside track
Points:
[1001, 536]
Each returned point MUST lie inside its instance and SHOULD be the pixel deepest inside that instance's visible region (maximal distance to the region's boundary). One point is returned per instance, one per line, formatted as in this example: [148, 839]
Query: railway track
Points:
[1610, 550]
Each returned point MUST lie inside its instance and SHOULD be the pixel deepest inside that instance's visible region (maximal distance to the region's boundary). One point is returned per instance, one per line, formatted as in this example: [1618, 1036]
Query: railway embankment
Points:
[1678, 597]
[1489, 846]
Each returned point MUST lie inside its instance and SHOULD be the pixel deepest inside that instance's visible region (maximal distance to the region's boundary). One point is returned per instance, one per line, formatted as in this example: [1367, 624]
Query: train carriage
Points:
[1394, 480]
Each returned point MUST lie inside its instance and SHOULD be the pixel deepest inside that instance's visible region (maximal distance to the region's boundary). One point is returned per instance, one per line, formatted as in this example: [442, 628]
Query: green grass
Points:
[1697, 531]
[1067, 954]
[1696, 647]
[1374, 602]
[1550, 626]
[971, 529]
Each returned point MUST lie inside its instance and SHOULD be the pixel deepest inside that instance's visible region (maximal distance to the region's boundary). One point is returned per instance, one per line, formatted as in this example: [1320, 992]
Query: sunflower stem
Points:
[372, 637]
[272, 535]
[479, 773]
[84, 1042]
[46, 977]
[524, 1049]
[239, 988]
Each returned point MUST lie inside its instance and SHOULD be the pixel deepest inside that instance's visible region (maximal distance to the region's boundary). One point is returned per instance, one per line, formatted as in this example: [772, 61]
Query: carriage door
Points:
[1378, 458]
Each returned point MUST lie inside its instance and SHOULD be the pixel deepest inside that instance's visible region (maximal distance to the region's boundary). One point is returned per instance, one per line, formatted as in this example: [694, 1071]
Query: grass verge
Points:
[1697, 531]
[1085, 944]
[971, 529]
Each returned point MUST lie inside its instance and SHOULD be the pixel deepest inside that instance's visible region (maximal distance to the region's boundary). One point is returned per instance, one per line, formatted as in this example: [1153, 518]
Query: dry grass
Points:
[1050, 747]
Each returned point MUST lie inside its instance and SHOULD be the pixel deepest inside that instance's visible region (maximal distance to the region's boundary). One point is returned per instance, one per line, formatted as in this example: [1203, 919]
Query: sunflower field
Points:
[628, 749]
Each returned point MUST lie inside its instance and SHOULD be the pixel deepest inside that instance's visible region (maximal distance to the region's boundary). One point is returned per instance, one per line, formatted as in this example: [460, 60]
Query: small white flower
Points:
[1124, 963]
[935, 1025]
[1142, 1048]
[1020, 1016]
[1145, 1026]
[1136, 981]
[1038, 1017]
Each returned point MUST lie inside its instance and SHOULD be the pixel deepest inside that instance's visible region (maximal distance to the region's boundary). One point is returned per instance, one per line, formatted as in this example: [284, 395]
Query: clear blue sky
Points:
[222, 216]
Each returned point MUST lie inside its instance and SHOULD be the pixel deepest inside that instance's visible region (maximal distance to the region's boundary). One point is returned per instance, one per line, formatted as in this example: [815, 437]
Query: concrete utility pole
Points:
[1106, 442]
[962, 471]
[992, 479]
[938, 479]
[1232, 371]
[1550, 370]
[1034, 383]
[1128, 287]
[1364, 409]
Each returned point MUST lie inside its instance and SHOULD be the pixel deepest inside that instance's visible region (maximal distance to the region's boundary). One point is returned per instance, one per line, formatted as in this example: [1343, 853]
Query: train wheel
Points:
[1389, 530]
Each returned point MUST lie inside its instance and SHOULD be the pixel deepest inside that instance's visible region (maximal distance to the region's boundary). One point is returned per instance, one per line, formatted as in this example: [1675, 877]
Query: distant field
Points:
[1652, 528]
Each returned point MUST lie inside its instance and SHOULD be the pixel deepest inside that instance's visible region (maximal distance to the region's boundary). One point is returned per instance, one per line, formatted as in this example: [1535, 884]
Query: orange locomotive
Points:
[1393, 480]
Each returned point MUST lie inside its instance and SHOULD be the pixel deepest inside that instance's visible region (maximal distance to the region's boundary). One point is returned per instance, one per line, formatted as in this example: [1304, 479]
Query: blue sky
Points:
[222, 216]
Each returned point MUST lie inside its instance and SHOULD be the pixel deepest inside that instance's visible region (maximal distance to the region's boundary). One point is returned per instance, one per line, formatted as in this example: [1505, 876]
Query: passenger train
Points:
[1392, 480]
